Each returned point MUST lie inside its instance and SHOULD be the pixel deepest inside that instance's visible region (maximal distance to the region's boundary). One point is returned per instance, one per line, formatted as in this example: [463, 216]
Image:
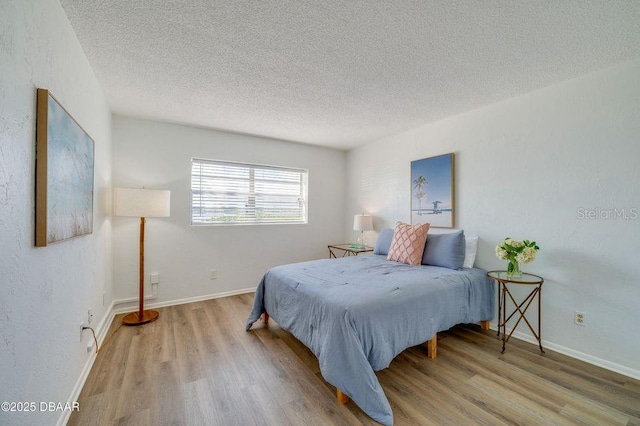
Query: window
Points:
[224, 192]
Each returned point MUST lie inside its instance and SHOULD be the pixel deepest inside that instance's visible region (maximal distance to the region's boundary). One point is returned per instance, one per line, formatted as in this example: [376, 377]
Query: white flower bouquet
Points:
[516, 252]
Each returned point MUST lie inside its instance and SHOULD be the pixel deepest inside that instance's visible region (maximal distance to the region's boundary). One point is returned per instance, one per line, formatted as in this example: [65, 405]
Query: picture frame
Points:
[64, 174]
[433, 191]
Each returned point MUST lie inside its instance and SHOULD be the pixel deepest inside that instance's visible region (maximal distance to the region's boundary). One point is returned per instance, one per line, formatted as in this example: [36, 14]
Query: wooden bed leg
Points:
[484, 325]
[342, 398]
[265, 318]
[432, 347]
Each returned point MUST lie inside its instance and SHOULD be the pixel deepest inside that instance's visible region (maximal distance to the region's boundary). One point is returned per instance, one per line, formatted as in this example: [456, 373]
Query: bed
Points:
[357, 313]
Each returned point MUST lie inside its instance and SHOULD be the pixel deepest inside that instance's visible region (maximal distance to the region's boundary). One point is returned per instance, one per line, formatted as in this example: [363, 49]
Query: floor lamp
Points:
[142, 203]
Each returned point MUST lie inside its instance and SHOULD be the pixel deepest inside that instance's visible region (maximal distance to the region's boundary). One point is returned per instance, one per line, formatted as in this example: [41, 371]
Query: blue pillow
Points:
[446, 250]
[383, 243]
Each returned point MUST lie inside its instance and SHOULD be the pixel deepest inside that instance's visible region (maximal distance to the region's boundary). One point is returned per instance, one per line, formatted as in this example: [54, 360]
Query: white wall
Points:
[158, 156]
[524, 168]
[45, 292]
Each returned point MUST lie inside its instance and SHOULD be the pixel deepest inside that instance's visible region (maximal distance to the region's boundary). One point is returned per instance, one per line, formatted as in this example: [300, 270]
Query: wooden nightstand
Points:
[526, 279]
[348, 250]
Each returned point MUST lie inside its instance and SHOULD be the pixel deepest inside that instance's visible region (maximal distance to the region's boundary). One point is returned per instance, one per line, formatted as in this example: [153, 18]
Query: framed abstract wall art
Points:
[64, 174]
[432, 191]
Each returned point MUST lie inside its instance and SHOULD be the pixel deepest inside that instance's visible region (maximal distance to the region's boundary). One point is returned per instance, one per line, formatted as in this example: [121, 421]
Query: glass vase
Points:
[513, 269]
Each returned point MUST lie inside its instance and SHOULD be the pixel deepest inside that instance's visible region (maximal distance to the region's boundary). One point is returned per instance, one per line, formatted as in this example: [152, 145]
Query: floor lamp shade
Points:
[135, 202]
[142, 203]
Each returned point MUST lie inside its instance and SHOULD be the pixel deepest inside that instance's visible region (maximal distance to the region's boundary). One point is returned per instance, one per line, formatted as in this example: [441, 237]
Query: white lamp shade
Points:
[135, 202]
[362, 222]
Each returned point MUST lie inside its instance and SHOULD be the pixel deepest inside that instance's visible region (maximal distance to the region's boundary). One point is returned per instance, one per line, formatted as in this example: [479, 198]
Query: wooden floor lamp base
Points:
[134, 319]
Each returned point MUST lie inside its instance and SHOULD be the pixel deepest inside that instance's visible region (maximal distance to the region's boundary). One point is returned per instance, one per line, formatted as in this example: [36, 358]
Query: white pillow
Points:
[471, 248]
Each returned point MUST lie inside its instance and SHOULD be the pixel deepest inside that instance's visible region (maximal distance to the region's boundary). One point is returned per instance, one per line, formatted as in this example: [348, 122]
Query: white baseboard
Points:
[101, 332]
[134, 308]
[589, 359]
[152, 296]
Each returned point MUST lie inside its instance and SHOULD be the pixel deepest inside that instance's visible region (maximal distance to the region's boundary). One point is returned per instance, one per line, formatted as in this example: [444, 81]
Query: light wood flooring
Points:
[196, 365]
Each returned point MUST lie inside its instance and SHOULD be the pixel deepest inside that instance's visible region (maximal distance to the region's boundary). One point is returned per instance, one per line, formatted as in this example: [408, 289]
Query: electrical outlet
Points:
[213, 274]
[89, 316]
[579, 318]
[154, 278]
[81, 330]
[90, 347]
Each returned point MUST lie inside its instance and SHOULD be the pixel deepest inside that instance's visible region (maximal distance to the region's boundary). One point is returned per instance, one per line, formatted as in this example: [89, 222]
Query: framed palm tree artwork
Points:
[432, 191]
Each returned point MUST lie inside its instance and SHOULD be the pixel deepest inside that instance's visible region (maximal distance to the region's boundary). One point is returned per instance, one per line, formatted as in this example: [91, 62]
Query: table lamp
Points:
[142, 203]
[362, 222]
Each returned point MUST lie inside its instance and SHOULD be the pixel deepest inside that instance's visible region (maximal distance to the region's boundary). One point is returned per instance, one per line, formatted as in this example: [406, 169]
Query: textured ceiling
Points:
[340, 73]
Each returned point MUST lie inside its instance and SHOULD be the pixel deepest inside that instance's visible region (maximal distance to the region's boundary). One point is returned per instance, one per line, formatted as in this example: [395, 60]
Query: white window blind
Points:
[225, 192]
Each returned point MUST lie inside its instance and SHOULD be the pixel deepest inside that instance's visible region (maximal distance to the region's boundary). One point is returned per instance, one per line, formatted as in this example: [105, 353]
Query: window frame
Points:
[252, 167]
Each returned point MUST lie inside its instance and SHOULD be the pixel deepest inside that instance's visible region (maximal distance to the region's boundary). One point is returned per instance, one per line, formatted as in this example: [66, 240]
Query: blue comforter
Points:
[357, 313]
